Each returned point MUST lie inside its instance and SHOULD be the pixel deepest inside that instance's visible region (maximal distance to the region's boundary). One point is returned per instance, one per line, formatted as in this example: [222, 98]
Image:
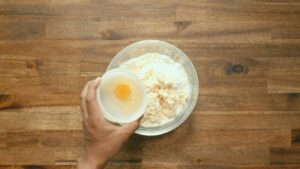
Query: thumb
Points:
[128, 129]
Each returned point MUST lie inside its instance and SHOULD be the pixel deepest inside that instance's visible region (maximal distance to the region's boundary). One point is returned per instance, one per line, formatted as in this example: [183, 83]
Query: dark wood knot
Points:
[292, 96]
[182, 25]
[235, 68]
[199, 160]
[110, 35]
[4, 97]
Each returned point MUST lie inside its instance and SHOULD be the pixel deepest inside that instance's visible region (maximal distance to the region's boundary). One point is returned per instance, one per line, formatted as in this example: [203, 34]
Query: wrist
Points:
[86, 162]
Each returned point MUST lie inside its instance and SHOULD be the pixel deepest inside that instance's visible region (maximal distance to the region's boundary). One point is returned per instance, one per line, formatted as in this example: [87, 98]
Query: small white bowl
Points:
[113, 117]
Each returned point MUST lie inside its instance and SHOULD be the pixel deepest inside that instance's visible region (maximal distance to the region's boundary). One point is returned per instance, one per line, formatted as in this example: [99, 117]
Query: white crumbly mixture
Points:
[167, 86]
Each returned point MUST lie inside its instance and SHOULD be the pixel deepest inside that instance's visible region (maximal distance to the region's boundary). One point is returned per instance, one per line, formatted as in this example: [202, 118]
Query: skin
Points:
[102, 139]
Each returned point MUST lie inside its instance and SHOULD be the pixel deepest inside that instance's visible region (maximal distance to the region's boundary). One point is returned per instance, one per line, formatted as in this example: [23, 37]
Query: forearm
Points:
[88, 163]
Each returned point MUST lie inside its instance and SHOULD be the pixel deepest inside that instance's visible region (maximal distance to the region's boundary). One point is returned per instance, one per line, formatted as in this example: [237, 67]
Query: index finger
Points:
[91, 101]
[82, 102]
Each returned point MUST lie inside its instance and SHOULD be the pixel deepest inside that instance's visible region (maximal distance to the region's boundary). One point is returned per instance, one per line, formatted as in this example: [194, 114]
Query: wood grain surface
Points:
[246, 53]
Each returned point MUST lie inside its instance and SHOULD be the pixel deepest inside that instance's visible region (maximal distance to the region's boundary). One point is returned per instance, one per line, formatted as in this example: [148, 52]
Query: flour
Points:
[167, 86]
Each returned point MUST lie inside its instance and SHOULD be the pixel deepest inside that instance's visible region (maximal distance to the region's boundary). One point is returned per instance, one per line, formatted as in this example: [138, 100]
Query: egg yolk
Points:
[122, 91]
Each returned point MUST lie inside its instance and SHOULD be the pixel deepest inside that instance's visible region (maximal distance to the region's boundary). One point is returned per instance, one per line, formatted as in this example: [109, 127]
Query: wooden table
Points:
[247, 55]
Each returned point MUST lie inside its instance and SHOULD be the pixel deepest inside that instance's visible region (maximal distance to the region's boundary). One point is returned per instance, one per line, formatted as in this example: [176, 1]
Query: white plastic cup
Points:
[114, 117]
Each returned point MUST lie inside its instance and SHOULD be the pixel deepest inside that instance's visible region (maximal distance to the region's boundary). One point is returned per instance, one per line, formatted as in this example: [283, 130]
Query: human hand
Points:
[102, 139]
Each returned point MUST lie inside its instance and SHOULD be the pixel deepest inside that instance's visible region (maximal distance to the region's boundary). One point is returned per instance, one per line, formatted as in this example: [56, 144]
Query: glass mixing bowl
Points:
[157, 46]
